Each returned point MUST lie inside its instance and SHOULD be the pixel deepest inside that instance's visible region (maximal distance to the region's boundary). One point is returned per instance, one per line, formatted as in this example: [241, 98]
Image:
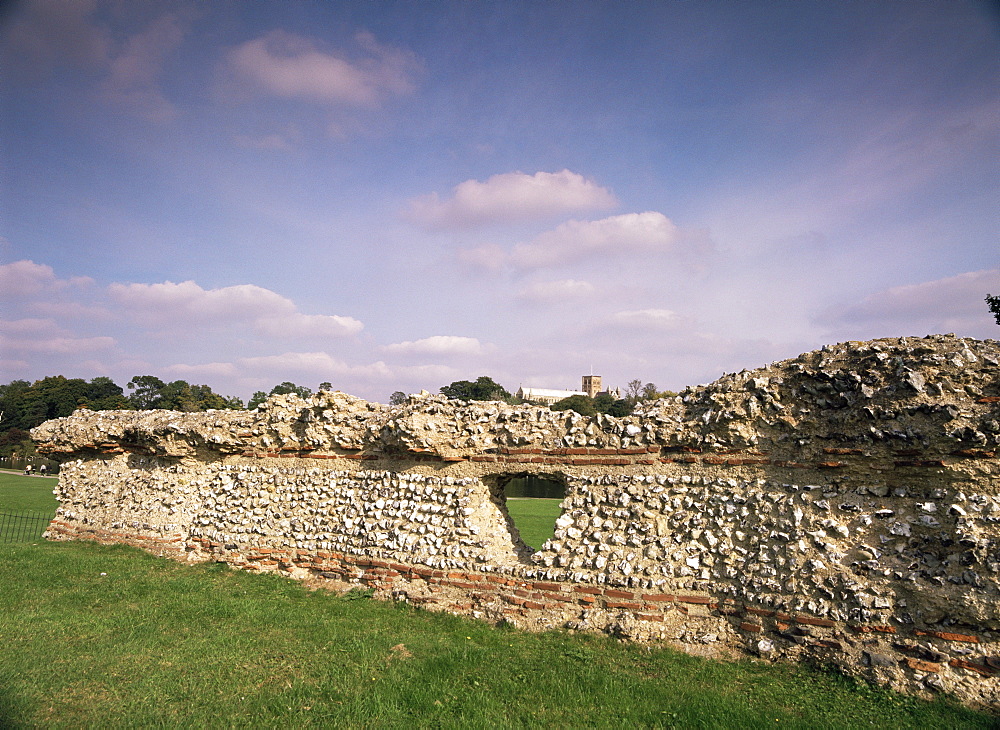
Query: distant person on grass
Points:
[42, 470]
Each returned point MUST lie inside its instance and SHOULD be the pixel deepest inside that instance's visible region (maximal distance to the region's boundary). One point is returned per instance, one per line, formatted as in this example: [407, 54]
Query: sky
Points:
[392, 196]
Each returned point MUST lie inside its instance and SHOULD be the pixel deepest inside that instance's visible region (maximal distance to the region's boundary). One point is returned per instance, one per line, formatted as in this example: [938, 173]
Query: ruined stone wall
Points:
[843, 505]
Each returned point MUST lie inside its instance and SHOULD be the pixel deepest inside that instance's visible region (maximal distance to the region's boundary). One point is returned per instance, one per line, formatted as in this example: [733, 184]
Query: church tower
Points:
[591, 385]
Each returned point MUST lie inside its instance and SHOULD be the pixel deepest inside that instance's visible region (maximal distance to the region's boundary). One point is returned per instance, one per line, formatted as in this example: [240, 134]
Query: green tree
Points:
[103, 394]
[51, 397]
[605, 403]
[281, 389]
[994, 305]
[148, 392]
[484, 388]
[582, 404]
[398, 398]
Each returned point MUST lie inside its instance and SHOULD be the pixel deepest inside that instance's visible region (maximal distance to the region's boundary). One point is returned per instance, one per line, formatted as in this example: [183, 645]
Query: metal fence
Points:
[22, 526]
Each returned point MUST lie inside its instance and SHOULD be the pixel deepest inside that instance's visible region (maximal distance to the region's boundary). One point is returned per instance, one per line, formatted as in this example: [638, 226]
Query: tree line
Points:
[485, 388]
[24, 405]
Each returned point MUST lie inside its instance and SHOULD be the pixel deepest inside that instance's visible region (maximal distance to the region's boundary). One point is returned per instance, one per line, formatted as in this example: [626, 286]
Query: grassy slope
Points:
[106, 636]
[18, 492]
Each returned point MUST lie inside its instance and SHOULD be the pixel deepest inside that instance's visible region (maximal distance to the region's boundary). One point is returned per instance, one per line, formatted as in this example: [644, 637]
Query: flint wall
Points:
[843, 505]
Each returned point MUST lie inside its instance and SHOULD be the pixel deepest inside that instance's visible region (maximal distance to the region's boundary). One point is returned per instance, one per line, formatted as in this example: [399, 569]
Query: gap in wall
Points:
[533, 504]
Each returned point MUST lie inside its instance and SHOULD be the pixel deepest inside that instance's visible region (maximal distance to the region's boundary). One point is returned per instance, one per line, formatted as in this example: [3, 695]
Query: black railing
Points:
[22, 526]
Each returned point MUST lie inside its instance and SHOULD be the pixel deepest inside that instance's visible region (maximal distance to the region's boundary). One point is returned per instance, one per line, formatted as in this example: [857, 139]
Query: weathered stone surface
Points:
[843, 504]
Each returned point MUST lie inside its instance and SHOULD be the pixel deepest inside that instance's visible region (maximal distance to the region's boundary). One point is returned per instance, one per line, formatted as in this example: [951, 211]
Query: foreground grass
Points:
[107, 636]
[534, 518]
[19, 493]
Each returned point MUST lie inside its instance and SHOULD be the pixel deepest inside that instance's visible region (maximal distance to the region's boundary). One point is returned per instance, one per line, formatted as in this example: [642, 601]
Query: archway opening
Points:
[533, 505]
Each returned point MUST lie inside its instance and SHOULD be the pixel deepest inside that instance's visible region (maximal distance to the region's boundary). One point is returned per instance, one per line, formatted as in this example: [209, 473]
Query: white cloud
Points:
[134, 74]
[647, 319]
[22, 279]
[556, 291]
[953, 304]
[489, 257]
[621, 234]
[207, 370]
[510, 198]
[169, 301]
[44, 336]
[290, 66]
[439, 345]
[309, 325]
[178, 305]
[318, 364]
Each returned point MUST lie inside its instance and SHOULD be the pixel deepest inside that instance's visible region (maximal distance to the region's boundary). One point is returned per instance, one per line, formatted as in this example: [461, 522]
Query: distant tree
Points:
[148, 392]
[281, 389]
[484, 388]
[103, 394]
[326, 386]
[151, 393]
[582, 404]
[605, 403]
[649, 392]
[287, 388]
[398, 398]
[994, 305]
[633, 391]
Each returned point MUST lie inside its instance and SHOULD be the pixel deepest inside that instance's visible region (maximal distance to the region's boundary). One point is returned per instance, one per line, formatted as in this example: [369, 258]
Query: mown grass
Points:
[534, 518]
[19, 493]
[109, 636]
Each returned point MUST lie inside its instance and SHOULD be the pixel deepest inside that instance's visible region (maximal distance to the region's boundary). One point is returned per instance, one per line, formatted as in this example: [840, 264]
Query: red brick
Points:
[658, 597]
[533, 604]
[872, 629]
[704, 600]
[753, 628]
[948, 637]
[922, 666]
[628, 605]
[565, 598]
[829, 644]
[977, 668]
[612, 593]
[649, 617]
[809, 620]
[586, 600]
[546, 586]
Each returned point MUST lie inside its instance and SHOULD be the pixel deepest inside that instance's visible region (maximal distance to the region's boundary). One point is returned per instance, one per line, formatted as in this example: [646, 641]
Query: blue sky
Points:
[396, 195]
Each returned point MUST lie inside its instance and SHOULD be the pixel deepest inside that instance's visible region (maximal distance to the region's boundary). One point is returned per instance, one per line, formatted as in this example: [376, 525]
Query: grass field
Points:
[108, 636]
[535, 519]
[19, 493]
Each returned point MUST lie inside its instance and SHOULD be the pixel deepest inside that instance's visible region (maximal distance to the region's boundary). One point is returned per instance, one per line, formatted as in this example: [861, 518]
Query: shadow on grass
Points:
[12, 714]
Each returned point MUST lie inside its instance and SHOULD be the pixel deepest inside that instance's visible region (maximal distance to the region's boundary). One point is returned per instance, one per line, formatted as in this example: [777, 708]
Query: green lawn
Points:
[534, 518]
[18, 492]
[108, 636]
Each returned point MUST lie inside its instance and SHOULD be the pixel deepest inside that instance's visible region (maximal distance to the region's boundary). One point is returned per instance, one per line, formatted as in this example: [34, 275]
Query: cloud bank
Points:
[511, 197]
